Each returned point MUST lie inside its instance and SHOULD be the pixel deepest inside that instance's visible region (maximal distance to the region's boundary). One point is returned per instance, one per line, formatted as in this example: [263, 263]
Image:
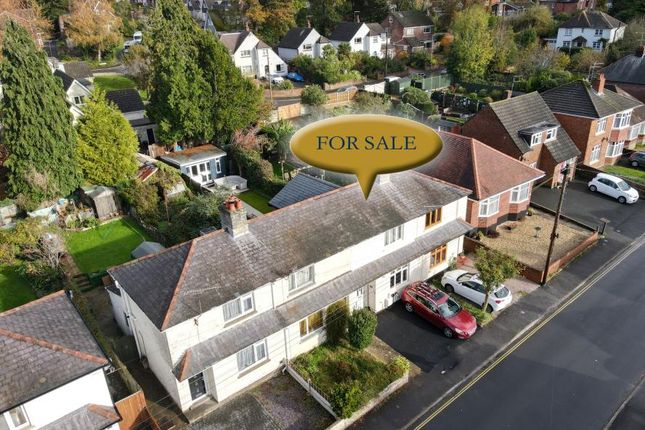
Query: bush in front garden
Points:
[399, 366]
[361, 328]
[337, 315]
[346, 398]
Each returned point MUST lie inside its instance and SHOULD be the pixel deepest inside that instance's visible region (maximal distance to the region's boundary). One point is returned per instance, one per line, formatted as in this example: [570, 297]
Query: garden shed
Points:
[103, 200]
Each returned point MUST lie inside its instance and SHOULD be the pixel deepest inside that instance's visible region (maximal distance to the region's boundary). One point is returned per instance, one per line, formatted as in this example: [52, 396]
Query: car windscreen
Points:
[465, 277]
[449, 308]
[501, 293]
[622, 185]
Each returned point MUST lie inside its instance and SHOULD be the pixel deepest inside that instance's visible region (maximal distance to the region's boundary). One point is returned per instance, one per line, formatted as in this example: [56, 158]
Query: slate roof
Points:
[44, 344]
[193, 155]
[300, 188]
[88, 417]
[205, 354]
[127, 100]
[294, 37]
[592, 19]
[232, 41]
[78, 70]
[528, 110]
[65, 78]
[628, 70]
[412, 18]
[469, 163]
[580, 99]
[172, 286]
[376, 29]
[345, 31]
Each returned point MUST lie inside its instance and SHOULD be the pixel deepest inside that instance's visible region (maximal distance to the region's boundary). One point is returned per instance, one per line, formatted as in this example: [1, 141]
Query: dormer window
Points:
[536, 139]
[551, 134]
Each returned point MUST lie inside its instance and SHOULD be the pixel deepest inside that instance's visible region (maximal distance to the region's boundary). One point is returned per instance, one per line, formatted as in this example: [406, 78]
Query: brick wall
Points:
[507, 211]
[486, 128]
[583, 133]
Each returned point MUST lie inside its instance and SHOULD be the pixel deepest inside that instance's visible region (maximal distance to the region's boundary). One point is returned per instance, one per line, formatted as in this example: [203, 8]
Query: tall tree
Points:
[326, 13]
[29, 15]
[93, 24]
[38, 130]
[281, 18]
[473, 48]
[371, 10]
[107, 145]
[54, 8]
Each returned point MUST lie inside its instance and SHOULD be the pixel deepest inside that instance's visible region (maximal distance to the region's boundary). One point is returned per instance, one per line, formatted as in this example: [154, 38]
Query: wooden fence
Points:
[134, 413]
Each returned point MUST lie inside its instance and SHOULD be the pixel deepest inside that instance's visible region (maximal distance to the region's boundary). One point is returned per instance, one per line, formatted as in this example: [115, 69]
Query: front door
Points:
[197, 386]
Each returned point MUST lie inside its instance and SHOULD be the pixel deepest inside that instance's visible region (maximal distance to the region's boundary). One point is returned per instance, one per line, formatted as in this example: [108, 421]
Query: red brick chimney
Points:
[599, 84]
[233, 217]
[640, 51]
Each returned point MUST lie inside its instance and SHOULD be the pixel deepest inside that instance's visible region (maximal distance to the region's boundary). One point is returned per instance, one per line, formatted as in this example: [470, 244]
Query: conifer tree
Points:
[107, 145]
[38, 131]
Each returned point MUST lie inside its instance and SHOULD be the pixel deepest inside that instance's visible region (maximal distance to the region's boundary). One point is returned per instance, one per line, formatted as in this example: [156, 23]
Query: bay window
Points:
[252, 354]
[489, 207]
[520, 193]
[614, 149]
[301, 278]
[621, 120]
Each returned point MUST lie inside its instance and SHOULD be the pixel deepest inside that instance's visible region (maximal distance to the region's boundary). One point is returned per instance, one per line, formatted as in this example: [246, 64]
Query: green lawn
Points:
[14, 289]
[633, 173]
[277, 169]
[108, 245]
[114, 82]
[257, 200]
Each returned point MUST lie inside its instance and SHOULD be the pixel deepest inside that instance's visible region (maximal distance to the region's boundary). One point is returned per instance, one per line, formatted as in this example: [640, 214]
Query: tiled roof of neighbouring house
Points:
[638, 114]
[172, 286]
[412, 18]
[376, 29]
[629, 70]
[345, 31]
[580, 99]
[529, 110]
[592, 19]
[43, 345]
[294, 37]
[193, 155]
[65, 78]
[78, 70]
[232, 41]
[469, 163]
[88, 417]
[127, 100]
[300, 188]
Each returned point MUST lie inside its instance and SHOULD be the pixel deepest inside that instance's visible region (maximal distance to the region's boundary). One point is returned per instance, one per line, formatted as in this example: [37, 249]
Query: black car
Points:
[637, 159]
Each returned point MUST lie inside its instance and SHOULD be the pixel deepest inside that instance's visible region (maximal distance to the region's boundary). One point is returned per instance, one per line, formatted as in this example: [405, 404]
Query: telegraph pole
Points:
[554, 232]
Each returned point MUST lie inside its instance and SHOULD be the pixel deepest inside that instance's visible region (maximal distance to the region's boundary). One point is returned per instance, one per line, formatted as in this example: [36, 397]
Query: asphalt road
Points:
[572, 374]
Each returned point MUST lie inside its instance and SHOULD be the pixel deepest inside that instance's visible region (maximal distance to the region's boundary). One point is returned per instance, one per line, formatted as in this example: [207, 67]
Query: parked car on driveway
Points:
[439, 309]
[614, 187]
[637, 159]
[295, 77]
[469, 286]
[277, 80]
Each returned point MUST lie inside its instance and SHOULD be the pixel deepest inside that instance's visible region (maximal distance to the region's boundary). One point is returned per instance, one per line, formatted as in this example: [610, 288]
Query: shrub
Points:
[487, 100]
[361, 328]
[482, 92]
[415, 96]
[337, 315]
[497, 94]
[285, 85]
[313, 95]
[399, 366]
[346, 398]
[472, 95]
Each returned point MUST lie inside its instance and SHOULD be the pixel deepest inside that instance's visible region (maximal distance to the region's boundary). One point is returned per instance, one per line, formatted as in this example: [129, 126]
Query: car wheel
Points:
[489, 309]
[449, 288]
[634, 163]
[622, 200]
[593, 188]
[408, 307]
[448, 333]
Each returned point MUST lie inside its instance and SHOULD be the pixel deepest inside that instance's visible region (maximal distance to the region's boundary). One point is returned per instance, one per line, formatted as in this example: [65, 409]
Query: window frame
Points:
[408, 31]
[433, 217]
[536, 139]
[615, 149]
[598, 32]
[516, 193]
[597, 45]
[9, 420]
[635, 130]
[394, 235]
[245, 53]
[554, 135]
[241, 306]
[566, 43]
[307, 324]
[375, 39]
[568, 31]
[487, 204]
[623, 119]
[294, 286]
[438, 256]
[427, 29]
[403, 274]
[601, 127]
[595, 154]
[218, 166]
[256, 360]
[358, 40]
[199, 375]
[307, 47]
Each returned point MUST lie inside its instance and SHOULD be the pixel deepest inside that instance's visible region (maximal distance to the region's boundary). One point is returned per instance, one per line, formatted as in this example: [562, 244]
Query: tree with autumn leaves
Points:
[29, 15]
[92, 24]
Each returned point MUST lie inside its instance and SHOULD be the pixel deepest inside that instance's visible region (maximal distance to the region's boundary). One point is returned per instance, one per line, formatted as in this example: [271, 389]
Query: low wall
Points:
[330, 87]
[281, 94]
[133, 411]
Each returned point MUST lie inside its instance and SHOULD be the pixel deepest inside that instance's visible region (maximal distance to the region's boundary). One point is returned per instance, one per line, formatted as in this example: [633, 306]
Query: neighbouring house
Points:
[636, 134]
[252, 56]
[361, 37]
[301, 187]
[589, 29]
[75, 93]
[501, 185]
[503, 8]
[524, 128]
[302, 41]
[131, 106]
[567, 6]
[597, 119]
[218, 313]
[52, 370]
[79, 70]
[409, 30]
[202, 164]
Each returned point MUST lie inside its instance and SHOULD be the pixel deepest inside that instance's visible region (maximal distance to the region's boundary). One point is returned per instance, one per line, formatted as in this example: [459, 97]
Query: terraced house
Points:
[216, 314]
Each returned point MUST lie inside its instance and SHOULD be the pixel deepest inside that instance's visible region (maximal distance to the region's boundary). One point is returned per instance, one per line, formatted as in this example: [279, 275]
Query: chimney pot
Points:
[233, 217]
[599, 84]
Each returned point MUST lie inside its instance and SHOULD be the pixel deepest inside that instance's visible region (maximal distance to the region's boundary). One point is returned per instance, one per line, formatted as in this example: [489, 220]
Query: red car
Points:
[437, 307]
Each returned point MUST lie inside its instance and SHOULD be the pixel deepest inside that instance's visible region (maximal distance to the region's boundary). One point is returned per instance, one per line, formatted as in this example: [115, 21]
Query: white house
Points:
[131, 106]
[252, 56]
[370, 37]
[589, 29]
[75, 93]
[220, 312]
[52, 370]
[302, 41]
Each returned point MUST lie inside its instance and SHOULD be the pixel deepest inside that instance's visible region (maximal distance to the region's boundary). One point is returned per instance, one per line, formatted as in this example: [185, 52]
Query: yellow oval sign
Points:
[366, 145]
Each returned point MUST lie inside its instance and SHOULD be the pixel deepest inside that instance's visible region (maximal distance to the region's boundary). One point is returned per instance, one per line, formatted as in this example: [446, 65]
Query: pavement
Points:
[631, 416]
[447, 363]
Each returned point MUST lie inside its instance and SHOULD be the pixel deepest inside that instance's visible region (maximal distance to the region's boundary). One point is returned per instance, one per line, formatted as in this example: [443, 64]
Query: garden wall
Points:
[330, 87]
[278, 94]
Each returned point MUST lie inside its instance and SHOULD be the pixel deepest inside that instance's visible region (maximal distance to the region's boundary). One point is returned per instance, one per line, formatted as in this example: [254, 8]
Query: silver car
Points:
[469, 286]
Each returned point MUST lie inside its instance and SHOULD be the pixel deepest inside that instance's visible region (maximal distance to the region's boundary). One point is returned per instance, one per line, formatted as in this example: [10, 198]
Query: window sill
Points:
[252, 368]
[300, 289]
[241, 318]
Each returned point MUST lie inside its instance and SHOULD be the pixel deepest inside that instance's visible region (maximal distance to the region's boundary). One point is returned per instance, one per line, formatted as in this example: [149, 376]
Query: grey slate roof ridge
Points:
[98, 417]
[269, 322]
[598, 106]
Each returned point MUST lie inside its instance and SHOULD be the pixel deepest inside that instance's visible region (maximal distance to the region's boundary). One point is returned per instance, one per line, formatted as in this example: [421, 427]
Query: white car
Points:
[469, 286]
[614, 187]
[277, 80]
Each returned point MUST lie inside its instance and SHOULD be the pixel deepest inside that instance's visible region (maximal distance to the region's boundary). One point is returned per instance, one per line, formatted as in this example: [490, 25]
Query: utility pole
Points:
[270, 78]
[387, 38]
[554, 232]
